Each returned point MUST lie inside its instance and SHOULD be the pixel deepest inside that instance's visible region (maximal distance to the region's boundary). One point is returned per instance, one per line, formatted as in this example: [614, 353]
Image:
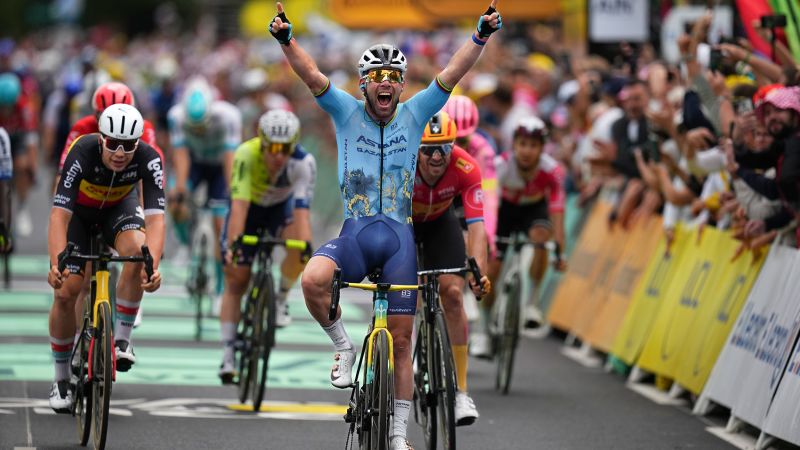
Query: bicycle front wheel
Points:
[445, 382]
[251, 326]
[83, 389]
[508, 334]
[264, 340]
[103, 375]
[381, 393]
[424, 382]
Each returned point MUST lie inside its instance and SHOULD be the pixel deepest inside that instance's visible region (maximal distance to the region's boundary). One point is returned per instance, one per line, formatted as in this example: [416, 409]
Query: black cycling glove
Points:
[283, 35]
[484, 28]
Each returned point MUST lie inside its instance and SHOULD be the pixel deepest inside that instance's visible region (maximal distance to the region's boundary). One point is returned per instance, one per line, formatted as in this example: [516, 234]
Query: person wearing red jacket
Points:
[106, 95]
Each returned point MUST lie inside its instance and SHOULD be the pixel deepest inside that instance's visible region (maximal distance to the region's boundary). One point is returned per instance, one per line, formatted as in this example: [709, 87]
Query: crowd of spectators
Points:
[712, 140]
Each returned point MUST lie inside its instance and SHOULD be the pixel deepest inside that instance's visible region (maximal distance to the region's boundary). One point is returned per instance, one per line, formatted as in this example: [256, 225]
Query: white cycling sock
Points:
[228, 337]
[337, 333]
[61, 350]
[283, 288]
[401, 410]
[126, 315]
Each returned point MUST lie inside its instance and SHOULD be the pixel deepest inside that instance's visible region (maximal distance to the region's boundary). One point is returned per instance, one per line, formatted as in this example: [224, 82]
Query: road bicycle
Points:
[197, 283]
[93, 356]
[256, 335]
[371, 405]
[6, 256]
[434, 367]
[507, 318]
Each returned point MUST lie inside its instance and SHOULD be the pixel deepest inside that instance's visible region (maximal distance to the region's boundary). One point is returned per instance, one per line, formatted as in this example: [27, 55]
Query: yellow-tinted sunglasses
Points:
[378, 75]
[277, 147]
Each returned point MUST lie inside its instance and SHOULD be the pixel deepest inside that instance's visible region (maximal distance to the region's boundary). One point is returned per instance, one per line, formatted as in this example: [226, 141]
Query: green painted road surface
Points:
[166, 351]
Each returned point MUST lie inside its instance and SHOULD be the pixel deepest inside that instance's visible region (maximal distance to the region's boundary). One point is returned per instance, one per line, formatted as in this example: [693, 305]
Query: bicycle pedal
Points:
[348, 416]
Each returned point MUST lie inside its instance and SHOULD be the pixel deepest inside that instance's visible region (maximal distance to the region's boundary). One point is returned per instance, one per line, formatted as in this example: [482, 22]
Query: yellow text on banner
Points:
[691, 286]
[576, 283]
[647, 297]
[717, 313]
[639, 250]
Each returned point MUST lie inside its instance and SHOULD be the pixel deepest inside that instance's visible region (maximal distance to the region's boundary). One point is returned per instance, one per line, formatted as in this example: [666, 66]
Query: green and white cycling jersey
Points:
[221, 133]
[251, 180]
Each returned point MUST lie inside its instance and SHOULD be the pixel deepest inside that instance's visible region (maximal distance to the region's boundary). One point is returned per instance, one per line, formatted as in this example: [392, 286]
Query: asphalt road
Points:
[172, 399]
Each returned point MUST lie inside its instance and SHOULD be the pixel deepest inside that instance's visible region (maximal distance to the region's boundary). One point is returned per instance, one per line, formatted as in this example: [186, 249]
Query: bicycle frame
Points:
[517, 259]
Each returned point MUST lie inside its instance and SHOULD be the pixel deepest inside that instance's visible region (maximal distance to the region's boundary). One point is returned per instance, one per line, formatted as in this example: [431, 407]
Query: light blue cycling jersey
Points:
[359, 140]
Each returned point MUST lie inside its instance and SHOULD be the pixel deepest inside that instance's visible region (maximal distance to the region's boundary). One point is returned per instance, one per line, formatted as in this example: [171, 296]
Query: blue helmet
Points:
[10, 89]
[197, 101]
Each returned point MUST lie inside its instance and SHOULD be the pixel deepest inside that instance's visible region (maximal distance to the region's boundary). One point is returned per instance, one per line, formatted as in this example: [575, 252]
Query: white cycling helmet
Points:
[531, 126]
[121, 121]
[279, 126]
[381, 55]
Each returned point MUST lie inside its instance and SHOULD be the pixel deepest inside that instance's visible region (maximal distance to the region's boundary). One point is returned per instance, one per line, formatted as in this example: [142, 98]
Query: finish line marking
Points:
[302, 408]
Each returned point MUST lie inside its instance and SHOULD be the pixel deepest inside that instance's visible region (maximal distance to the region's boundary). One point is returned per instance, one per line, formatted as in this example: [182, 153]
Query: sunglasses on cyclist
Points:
[378, 75]
[128, 146]
[429, 150]
[274, 148]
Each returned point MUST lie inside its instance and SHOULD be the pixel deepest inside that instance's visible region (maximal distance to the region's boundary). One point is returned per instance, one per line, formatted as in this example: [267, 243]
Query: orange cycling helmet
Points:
[441, 129]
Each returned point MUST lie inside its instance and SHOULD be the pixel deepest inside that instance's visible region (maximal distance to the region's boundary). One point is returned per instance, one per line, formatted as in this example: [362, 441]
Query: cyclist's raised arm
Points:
[301, 62]
[468, 54]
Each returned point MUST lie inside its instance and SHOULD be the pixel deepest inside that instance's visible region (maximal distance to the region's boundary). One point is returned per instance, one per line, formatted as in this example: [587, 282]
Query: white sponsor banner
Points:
[783, 418]
[680, 17]
[725, 384]
[619, 20]
[772, 332]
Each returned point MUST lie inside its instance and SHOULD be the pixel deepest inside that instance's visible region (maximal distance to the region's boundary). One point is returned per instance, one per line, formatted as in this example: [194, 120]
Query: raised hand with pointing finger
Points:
[489, 22]
[280, 27]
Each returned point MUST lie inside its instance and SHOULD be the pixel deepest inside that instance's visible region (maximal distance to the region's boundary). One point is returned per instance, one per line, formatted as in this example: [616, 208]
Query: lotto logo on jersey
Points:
[464, 165]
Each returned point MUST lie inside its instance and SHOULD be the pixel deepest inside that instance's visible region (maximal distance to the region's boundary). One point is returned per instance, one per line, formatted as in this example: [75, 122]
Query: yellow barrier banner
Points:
[717, 313]
[639, 250]
[380, 14]
[616, 244]
[647, 297]
[471, 9]
[576, 282]
[692, 285]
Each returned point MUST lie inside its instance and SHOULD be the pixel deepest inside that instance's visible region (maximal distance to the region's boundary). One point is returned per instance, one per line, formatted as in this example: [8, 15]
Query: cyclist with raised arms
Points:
[204, 134]
[532, 202]
[98, 186]
[445, 172]
[271, 187]
[377, 140]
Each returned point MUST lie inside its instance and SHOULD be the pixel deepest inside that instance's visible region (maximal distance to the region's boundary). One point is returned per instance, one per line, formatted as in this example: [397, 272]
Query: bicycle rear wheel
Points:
[445, 382]
[424, 383]
[263, 340]
[381, 394]
[103, 375]
[508, 334]
[83, 389]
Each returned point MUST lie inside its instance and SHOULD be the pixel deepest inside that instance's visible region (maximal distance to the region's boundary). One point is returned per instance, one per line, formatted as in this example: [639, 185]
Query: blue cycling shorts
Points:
[368, 243]
[214, 176]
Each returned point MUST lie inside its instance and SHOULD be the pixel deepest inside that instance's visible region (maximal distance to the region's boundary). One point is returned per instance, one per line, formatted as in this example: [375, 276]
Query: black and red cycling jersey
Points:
[87, 182]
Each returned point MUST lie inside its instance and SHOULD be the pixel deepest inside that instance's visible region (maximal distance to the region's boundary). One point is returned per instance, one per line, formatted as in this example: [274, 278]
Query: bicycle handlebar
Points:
[69, 252]
[294, 244]
[337, 284]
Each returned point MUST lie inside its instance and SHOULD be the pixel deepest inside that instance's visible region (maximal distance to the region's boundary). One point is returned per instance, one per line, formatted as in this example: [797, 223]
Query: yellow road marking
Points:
[305, 408]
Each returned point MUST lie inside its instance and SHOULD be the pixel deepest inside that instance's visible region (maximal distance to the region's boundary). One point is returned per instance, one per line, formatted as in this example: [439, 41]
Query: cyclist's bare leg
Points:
[292, 266]
[316, 283]
[450, 290]
[236, 281]
[129, 287]
[62, 324]
[539, 235]
[219, 222]
[85, 289]
[400, 327]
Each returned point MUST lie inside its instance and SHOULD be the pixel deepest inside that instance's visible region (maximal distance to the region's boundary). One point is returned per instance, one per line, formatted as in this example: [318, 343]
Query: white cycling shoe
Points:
[282, 317]
[61, 397]
[480, 345]
[399, 443]
[465, 411]
[341, 373]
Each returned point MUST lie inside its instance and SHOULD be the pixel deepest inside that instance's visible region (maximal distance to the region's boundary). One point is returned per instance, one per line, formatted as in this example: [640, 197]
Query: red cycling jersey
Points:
[462, 177]
[547, 182]
[20, 118]
[88, 125]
